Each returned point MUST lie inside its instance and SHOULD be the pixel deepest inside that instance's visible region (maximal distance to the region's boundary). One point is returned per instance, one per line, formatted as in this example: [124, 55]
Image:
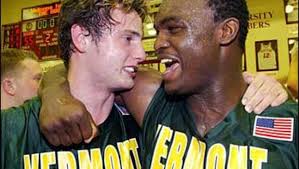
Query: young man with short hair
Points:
[20, 77]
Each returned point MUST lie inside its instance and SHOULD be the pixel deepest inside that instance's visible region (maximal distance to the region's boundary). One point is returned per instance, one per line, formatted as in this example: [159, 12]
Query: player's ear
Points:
[80, 37]
[228, 31]
[9, 86]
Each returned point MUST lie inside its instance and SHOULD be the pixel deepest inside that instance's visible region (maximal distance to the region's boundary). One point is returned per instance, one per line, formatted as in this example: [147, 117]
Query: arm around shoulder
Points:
[137, 100]
[68, 122]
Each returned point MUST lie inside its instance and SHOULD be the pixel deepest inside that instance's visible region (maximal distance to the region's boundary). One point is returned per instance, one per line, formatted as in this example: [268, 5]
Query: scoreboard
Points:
[40, 30]
[40, 35]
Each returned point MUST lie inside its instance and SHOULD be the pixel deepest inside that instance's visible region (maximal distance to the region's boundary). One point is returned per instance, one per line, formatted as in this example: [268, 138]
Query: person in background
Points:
[20, 77]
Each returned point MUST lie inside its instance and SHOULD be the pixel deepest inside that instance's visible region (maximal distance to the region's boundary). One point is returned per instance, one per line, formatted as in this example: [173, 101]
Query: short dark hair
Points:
[93, 15]
[12, 58]
[232, 8]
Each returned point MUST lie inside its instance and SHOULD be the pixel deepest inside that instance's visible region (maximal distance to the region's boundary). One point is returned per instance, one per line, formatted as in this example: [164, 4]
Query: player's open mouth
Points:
[131, 70]
[168, 62]
[171, 65]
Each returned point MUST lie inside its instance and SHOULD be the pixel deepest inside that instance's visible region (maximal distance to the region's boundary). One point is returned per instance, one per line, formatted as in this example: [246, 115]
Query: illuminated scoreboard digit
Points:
[11, 36]
[39, 30]
[28, 35]
[47, 23]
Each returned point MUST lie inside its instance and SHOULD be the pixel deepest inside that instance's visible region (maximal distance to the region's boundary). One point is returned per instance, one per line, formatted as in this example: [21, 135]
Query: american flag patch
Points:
[276, 128]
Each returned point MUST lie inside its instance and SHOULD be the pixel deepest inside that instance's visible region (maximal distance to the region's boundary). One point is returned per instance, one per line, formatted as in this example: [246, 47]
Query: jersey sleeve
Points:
[282, 153]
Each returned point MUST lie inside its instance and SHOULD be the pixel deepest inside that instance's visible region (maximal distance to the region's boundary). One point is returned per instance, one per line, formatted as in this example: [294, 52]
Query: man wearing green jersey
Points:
[195, 119]
[20, 77]
[101, 46]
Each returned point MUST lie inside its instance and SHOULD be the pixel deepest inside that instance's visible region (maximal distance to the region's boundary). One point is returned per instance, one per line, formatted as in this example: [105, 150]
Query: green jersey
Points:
[24, 147]
[171, 139]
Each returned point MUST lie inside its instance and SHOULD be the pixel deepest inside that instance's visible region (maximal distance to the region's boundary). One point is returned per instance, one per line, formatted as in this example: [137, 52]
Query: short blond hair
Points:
[11, 60]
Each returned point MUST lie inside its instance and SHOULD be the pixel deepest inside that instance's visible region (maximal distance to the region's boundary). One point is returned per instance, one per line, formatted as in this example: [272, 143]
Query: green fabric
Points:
[20, 135]
[169, 133]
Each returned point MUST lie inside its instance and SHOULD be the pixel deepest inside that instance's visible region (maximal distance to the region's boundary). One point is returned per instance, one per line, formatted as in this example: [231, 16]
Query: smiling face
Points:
[114, 58]
[186, 44]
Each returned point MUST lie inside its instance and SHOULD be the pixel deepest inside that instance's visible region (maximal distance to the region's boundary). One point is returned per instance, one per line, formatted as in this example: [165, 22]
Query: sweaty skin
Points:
[176, 40]
[141, 95]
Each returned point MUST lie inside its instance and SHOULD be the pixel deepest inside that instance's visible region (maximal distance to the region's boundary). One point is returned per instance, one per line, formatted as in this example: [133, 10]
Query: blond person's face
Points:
[28, 80]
